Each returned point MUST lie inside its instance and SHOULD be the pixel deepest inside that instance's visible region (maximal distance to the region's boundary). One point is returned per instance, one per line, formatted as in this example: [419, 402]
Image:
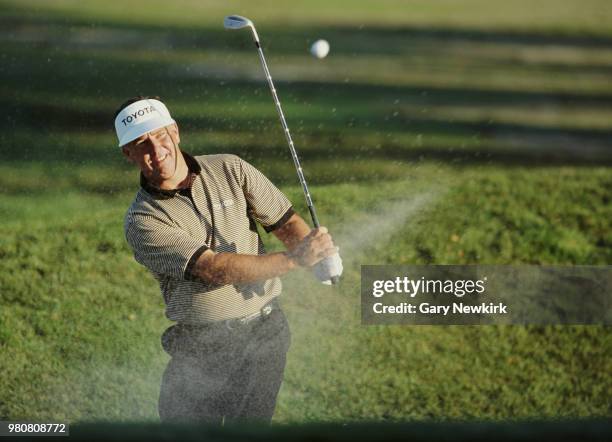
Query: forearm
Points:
[234, 268]
[292, 232]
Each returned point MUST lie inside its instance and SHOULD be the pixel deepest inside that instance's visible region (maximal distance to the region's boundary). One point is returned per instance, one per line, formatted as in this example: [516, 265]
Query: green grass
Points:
[496, 117]
[71, 284]
[582, 17]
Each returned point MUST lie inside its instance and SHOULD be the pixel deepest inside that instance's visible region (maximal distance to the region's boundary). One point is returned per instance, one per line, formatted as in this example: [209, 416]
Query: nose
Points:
[155, 147]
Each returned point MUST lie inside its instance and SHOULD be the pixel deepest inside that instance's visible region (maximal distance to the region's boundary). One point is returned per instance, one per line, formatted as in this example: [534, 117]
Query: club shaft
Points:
[296, 160]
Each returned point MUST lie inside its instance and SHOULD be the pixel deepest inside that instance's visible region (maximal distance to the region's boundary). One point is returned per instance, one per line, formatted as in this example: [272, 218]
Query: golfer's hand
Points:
[313, 248]
[329, 269]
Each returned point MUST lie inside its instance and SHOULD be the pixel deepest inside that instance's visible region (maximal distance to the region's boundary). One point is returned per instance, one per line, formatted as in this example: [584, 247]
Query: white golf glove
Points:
[327, 268]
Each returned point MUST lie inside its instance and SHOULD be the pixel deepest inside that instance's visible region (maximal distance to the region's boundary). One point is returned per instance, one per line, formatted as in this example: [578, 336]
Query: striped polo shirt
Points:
[168, 230]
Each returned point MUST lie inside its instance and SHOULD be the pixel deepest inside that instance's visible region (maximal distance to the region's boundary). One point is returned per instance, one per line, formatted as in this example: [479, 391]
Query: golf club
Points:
[331, 265]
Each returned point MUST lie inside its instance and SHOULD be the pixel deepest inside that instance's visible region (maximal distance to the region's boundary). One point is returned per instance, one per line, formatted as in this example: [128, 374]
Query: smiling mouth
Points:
[159, 161]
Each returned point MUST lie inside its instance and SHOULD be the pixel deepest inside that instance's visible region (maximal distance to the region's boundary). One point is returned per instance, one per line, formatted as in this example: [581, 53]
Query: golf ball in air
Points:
[320, 48]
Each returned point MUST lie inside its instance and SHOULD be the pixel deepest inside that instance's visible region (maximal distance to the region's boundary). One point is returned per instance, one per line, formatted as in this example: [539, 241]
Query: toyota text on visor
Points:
[139, 118]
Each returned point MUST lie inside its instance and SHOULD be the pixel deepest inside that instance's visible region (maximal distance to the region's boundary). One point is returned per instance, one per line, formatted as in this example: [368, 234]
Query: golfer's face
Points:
[155, 153]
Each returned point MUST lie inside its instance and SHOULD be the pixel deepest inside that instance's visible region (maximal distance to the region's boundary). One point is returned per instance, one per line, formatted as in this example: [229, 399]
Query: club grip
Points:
[328, 270]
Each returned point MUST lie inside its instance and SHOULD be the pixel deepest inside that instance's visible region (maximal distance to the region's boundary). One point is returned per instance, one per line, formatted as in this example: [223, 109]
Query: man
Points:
[192, 224]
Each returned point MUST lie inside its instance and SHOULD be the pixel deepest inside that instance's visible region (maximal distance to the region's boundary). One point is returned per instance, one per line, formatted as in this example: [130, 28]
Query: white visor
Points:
[139, 118]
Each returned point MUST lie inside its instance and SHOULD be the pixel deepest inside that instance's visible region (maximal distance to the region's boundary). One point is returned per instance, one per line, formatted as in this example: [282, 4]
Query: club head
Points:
[236, 22]
[239, 22]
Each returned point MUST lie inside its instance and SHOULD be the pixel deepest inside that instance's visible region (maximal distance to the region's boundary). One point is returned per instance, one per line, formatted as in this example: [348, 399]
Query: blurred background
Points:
[434, 132]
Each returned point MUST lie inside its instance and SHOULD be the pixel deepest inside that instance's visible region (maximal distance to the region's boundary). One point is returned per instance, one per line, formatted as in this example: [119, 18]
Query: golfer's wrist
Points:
[292, 261]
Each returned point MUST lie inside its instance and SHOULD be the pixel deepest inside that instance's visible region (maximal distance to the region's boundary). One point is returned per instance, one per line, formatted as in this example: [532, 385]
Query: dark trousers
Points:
[218, 374]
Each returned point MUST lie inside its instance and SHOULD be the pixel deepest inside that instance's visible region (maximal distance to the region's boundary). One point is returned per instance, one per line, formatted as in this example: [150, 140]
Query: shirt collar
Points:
[194, 169]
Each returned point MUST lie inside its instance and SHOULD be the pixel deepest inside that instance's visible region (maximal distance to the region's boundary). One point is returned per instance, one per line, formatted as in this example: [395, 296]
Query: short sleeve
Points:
[161, 247]
[268, 205]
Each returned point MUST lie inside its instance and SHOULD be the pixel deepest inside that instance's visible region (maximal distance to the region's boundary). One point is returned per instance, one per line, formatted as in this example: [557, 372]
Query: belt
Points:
[235, 323]
[262, 313]
[187, 338]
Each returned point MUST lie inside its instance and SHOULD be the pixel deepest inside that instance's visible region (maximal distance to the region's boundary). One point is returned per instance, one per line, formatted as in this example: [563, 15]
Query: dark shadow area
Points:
[74, 154]
[104, 75]
[535, 430]
[499, 142]
[48, 116]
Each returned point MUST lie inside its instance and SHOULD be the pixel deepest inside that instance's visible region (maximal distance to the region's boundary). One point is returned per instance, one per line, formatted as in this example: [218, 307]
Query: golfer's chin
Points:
[158, 177]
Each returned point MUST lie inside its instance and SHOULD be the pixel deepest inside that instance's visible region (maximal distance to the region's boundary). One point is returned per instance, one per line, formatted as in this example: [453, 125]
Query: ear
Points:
[126, 153]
